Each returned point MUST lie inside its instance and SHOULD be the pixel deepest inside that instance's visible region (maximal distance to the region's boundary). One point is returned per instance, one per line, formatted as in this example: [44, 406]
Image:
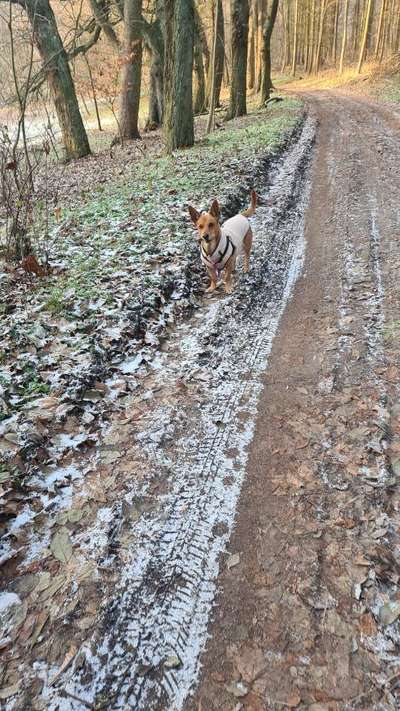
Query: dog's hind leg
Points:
[247, 243]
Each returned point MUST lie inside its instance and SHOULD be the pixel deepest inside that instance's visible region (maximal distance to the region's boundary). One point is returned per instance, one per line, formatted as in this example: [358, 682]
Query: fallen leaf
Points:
[8, 691]
[293, 700]
[237, 689]
[67, 661]
[389, 612]
[172, 662]
[31, 265]
[61, 546]
[367, 625]
[233, 560]
[41, 621]
[361, 560]
[75, 515]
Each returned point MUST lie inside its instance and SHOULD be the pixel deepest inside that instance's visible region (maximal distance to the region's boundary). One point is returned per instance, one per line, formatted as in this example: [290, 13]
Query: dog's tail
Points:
[252, 208]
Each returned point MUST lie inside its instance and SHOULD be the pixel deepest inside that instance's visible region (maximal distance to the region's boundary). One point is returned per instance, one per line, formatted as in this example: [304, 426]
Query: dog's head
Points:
[207, 223]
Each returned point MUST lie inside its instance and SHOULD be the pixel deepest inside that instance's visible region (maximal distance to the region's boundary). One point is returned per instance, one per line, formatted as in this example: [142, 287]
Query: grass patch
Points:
[118, 224]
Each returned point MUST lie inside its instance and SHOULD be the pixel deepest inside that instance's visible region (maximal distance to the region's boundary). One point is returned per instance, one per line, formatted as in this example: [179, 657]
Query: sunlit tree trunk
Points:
[295, 36]
[320, 35]
[335, 31]
[364, 36]
[344, 35]
[355, 29]
[380, 27]
[284, 32]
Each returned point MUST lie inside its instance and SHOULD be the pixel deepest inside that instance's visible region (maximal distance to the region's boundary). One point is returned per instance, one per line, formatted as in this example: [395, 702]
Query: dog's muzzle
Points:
[206, 238]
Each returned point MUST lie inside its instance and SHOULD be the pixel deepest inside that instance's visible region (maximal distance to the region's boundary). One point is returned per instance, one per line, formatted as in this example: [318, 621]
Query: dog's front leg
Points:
[230, 266]
[213, 278]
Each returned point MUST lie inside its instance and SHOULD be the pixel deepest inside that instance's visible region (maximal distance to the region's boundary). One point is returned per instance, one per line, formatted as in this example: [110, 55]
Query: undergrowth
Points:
[121, 221]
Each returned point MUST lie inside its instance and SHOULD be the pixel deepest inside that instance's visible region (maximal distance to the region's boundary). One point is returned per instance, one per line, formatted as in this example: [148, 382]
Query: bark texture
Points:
[58, 75]
[178, 119]
[153, 35]
[266, 82]
[132, 70]
[199, 102]
[239, 41]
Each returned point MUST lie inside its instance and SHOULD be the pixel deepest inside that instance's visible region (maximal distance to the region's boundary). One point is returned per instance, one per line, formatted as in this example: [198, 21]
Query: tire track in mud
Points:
[147, 654]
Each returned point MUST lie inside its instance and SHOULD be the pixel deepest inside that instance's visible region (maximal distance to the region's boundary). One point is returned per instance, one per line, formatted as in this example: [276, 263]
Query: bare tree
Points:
[364, 36]
[266, 82]
[178, 119]
[239, 38]
[132, 69]
[211, 115]
[344, 35]
[295, 36]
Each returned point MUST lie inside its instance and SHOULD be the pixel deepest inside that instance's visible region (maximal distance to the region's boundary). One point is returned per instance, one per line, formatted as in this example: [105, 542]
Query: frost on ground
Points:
[93, 405]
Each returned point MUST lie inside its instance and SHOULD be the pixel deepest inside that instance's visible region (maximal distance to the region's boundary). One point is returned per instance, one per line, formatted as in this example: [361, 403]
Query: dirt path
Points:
[307, 618]
[278, 403]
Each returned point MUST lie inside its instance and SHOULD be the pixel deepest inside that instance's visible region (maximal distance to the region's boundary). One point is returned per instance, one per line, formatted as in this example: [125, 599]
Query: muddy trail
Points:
[309, 616]
[246, 537]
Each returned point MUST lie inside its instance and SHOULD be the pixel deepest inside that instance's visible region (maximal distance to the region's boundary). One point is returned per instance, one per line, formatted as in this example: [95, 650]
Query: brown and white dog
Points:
[221, 245]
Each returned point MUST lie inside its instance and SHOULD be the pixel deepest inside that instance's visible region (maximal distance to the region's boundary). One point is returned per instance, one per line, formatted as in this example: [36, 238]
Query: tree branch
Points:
[100, 11]
[83, 48]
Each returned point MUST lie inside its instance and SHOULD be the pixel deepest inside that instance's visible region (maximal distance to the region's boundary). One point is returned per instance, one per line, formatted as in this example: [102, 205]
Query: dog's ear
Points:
[194, 214]
[214, 209]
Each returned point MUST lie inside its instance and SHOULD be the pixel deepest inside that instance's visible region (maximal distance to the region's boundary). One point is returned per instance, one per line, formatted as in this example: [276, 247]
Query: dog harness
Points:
[233, 232]
[222, 253]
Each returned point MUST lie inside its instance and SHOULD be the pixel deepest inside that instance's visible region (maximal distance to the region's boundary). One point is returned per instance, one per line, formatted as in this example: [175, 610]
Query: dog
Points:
[221, 245]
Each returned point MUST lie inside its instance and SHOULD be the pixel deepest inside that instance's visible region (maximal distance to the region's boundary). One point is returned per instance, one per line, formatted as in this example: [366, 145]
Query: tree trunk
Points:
[251, 59]
[283, 55]
[220, 64]
[344, 35]
[364, 36]
[58, 74]
[219, 53]
[93, 88]
[266, 83]
[199, 103]
[295, 36]
[178, 118]
[288, 59]
[370, 27]
[355, 27]
[320, 35]
[200, 31]
[132, 70]
[239, 33]
[211, 115]
[335, 32]
[380, 26]
[154, 38]
[260, 24]
[311, 56]
[156, 96]
[396, 40]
